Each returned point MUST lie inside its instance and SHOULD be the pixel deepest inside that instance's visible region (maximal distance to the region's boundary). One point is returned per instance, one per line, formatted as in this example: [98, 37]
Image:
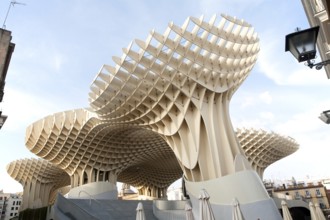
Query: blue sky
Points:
[61, 45]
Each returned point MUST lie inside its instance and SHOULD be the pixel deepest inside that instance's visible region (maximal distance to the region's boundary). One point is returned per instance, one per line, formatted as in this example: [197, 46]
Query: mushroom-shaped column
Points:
[39, 179]
[263, 148]
[179, 84]
[96, 153]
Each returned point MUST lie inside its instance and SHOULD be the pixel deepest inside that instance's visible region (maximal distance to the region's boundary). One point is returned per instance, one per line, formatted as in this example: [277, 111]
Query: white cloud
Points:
[247, 101]
[313, 137]
[266, 97]
[281, 67]
[267, 116]
[23, 108]
[10, 185]
[250, 123]
[57, 61]
[307, 161]
[235, 8]
[304, 123]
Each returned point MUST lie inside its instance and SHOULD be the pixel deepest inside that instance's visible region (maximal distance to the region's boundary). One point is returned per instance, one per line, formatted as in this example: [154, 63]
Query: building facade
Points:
[6, 50]
[308, 192]
[3, 204]
[9, 205]
[317, 12]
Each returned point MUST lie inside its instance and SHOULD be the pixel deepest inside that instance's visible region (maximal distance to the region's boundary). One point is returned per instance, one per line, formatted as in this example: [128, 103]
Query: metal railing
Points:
[90, 196]
[65, 205]
[94, 199]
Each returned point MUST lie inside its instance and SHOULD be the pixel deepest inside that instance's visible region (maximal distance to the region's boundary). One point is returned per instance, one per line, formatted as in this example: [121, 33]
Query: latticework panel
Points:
[37, 169]
[60, 138]
[264, 148]
[171, 90]
[39, 179]
[77, 141]
[157, 78]
[179, 84]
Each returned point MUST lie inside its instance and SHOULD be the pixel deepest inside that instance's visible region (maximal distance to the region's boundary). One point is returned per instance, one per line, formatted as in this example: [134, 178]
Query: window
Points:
[308, 194]
[297, 195]
[318, 193]
[12, 208]
[14, 203]
[16, 208]
[11, 214]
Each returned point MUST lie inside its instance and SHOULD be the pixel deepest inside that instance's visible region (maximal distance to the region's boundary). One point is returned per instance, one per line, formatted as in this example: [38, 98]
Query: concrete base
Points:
[245, 186]
[96, 190]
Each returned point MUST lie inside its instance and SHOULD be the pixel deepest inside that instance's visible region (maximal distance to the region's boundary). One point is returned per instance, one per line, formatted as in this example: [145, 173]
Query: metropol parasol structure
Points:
[160, 112]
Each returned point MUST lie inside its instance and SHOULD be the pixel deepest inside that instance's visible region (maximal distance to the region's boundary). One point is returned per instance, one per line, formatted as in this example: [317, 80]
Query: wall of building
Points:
[9, 205]
[3, 204]
[13, 206]
[308, 192]
[6, 50]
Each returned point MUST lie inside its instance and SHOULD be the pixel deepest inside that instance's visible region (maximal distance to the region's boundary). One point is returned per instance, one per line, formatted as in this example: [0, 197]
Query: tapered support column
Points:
[36, 194]
[153, 192]
[205, 143]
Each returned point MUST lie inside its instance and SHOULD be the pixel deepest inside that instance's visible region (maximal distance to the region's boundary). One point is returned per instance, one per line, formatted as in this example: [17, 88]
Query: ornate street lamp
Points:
[302, 45]
[2, 119]
[325, 116]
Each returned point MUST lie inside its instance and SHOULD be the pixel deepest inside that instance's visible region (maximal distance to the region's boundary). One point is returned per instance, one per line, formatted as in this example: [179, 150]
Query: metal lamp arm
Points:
[319, 65]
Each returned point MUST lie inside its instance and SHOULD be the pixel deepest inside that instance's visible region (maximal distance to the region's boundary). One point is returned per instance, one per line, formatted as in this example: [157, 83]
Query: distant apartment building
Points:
[9, 205]
[3, 199]
[314, 192]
